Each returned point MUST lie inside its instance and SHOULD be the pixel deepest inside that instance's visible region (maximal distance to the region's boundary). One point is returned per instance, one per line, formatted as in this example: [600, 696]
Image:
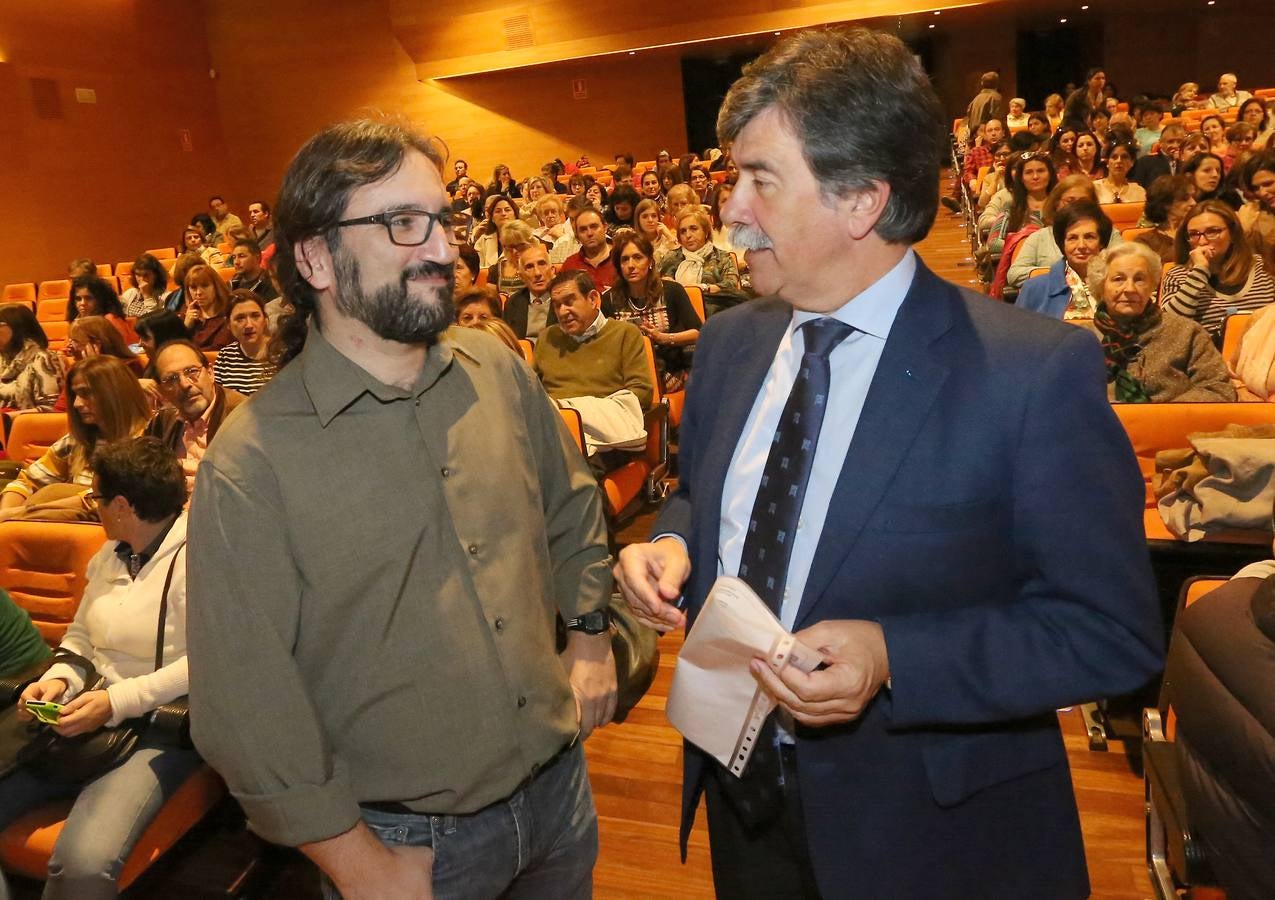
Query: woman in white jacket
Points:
[140, 491]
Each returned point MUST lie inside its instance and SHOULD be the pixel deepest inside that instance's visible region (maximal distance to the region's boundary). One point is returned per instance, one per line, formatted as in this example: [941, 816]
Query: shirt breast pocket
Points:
[934, 518]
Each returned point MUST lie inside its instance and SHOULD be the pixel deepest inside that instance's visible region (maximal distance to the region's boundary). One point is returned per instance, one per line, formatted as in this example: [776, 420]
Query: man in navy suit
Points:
[957, 512]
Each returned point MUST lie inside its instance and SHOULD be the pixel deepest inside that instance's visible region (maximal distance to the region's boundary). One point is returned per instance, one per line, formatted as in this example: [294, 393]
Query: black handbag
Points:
[79, 759]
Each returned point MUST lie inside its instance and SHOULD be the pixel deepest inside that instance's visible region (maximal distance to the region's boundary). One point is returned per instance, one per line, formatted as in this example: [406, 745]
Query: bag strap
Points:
[163, 609]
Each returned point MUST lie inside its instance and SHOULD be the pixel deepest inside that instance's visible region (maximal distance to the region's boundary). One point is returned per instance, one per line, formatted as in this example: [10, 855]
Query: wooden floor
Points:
[636, 772]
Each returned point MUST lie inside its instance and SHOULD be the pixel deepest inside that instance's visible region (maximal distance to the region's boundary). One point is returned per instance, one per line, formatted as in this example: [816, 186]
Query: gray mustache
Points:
[745, 237]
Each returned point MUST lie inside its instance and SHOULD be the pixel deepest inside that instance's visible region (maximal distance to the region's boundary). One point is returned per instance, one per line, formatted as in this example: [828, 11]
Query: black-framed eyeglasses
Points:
[408, 227]
[95, 498]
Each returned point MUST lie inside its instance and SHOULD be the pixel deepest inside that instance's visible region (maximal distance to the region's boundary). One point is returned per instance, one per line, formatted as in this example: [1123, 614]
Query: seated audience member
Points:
[204, 223]
[244, 364]
[697, 262]
[650, 225]
[680, 199]
[597, 367]
[1254, 112]
[670, 177]
[207, 309]
[175, 300]
[994, 181]
[105, 404]
[475, 305]
[1080, 230]
[1166, 161]
[529, 310]
[1213, 128]
[598, 196]
[486, 240]
[91, 336]
[1040, 249]
[94, 296]
[649, 188]
[1217, 270]
[699, 183]
[193, 241]
[577, 184]
[979, 155]
[1188, 97]
[657, 306]
[1227, 97]
[262, 222]
[500, 330]
[535, 189]
[504, 272]
[224, 219]
[619, 213]
[1038, 127]
[456, 185]
[466, 269]
[1099, 122]
[502, 182]
[198, 405]
[663, 158]
[1206, 171]
[1116, 187]
[568, 244]
[80, 266]
[1239, 141]
[1169, 198]
[138, 572]
[1153, 355]
[250, 274]
[594, 255]
[721, 234]
[1017, 116]
[21, 646]
[149, 281]
[1149, 131]
[1258, 217]
[1254, 366]
[1192, 146]
[1088, 152]
[156, 329]
[30, 373]
[1034, 180]
[551, 218]
[1062, 150]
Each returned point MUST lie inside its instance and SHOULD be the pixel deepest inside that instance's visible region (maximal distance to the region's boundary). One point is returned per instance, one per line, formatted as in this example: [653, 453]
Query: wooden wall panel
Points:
[107, 179]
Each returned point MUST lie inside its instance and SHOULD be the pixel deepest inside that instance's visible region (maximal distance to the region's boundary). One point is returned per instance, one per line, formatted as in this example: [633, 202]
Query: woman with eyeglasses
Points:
[1254, 112]
[150, 283]
[105, 403]
[1217, 270]
[994, 180]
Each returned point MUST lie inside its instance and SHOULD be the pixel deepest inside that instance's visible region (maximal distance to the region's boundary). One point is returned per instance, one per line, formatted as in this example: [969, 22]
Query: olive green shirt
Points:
[373, 578]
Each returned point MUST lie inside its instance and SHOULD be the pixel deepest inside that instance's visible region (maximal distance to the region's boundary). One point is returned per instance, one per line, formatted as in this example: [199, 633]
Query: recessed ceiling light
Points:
[931, 26]
[776, 34]
[632, 53]
[1063, 20]
[938, 12]
[1211, 2]
[1084, 7]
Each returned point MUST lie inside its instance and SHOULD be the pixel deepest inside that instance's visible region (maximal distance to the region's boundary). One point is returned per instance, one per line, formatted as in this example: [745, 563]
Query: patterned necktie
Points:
[777, 509]
[757, 795]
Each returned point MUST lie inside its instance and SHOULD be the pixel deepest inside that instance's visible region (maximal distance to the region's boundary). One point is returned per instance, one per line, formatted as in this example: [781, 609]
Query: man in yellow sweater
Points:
[595, 365]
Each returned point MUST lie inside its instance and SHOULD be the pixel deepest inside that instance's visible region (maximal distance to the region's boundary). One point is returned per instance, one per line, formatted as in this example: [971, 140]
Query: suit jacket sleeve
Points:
[1085, 623]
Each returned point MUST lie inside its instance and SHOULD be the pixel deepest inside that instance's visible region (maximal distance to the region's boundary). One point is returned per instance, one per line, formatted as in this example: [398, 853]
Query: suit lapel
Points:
[743, 374]
[907, 381]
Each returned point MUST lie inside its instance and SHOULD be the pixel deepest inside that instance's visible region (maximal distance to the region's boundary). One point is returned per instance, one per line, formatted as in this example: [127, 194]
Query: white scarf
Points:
[691, 269]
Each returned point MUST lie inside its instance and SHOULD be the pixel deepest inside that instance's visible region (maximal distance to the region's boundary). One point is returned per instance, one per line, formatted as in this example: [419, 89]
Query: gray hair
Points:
[864, 111]
[1099, 264]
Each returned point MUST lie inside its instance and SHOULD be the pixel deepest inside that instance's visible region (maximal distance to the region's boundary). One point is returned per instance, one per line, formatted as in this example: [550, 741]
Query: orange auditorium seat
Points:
[32, 433]
[58, 332]
[696, 295]
[122, 270]
[627, 488]
[104, 271]
[575, 424]
[59, 289]
[1123, 215]
[1037, 272]
[225, 274]
[529, 354]
[20, 293]
[43, 565]
[51, 310]
[1129, 234]
[163, 253]
[718, 177]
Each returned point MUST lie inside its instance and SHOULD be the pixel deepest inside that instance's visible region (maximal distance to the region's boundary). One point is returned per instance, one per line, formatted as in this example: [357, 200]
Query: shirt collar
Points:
[333, 381]
[592, 331]
[873, 310]
[124, 551]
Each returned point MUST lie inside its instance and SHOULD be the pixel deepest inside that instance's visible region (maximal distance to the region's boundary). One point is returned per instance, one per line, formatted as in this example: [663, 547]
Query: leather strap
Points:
[163, 609]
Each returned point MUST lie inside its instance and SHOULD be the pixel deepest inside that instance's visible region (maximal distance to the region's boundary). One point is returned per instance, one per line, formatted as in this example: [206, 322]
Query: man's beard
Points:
[391, 311]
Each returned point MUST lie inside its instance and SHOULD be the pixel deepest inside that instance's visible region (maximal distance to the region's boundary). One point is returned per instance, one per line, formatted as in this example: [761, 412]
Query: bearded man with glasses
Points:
[422, 736]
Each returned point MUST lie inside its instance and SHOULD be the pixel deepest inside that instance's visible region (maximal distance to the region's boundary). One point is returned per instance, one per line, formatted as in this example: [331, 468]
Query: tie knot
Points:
[823, 334]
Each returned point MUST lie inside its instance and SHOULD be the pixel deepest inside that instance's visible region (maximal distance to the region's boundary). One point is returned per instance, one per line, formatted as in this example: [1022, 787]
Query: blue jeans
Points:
[108, 818]
[542, 842]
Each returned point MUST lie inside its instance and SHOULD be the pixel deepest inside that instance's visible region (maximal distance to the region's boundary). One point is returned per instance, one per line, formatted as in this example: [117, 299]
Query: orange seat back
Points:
[43, 565]
[59, 289]
[225, 274]
[20, 293]
[575, 424]
[1037, 272]
[1130, 234]
[51, 310]
[528, 350]
[1123, 215]
[1233, 334]
[32, 433]
[163, 253]
[58, 332]
[104, 271]
[696, 295]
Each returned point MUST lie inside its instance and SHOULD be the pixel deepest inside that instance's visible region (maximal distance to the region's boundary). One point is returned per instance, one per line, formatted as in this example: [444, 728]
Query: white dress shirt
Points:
[853, 363]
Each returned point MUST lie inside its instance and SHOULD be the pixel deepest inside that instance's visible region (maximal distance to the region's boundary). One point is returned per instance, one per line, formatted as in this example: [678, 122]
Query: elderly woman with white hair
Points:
[1153, 355]
[1017, 117]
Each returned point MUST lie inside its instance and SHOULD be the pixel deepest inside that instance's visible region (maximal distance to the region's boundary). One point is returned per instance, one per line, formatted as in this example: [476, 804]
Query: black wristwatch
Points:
[596, 622]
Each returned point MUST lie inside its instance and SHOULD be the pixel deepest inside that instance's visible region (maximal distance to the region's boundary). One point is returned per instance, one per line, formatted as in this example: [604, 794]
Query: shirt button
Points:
[473, 549]
[446, 471]
[522, 701]
[500, 624]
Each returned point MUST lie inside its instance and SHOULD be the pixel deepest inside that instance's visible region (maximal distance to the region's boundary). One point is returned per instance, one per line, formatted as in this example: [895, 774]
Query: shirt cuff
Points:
[303, 814]
[677, 537]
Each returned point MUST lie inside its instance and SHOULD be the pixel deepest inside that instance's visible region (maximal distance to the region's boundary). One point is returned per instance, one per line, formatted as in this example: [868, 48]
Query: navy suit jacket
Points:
[1046, 294]
[989, 517]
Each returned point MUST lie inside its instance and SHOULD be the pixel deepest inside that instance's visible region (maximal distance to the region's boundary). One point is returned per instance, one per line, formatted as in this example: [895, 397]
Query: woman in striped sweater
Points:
[1217, 271]
[244, 364]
